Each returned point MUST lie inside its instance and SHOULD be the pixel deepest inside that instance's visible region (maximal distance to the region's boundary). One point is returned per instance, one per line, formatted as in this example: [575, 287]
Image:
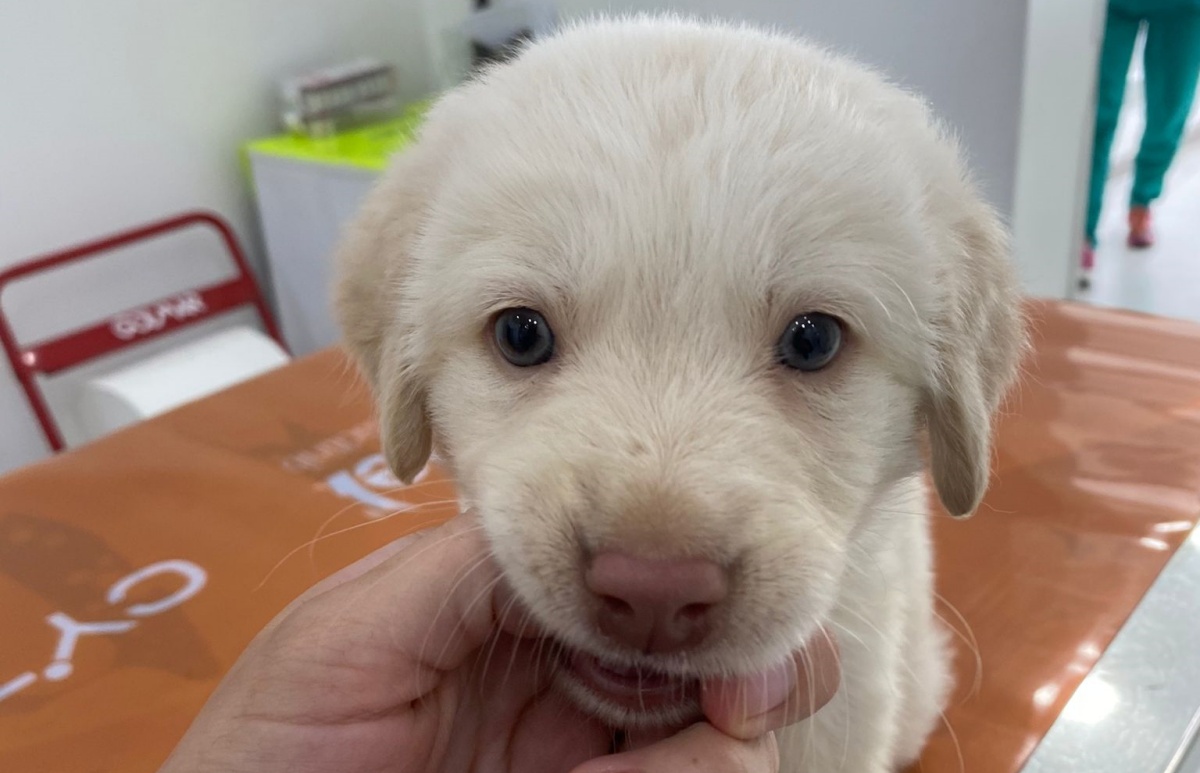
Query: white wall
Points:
[116, 112]
[1057, 121]
[964, 55]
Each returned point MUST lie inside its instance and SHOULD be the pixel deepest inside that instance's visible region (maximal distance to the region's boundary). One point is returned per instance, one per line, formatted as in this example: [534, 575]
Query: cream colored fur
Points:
[669, 194]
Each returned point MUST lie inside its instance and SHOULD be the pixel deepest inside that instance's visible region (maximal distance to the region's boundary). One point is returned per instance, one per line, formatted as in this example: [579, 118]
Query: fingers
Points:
[700, 749]
[552, 734]
[742, 713]
[420, 608]
[747, 707]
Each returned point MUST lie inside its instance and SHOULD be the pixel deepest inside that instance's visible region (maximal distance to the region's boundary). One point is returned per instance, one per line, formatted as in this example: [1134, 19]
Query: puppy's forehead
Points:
[698, 165]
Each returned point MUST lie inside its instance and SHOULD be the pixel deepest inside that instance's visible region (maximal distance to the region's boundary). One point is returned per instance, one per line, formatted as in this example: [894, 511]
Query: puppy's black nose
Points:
[655, 605]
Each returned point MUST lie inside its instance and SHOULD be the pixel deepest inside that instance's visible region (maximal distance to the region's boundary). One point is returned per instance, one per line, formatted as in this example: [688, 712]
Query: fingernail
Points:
[758, 694]
[766, 692]
[608, 765]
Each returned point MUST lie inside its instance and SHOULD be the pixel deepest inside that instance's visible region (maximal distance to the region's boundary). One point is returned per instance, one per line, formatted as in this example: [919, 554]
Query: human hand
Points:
[408, 662]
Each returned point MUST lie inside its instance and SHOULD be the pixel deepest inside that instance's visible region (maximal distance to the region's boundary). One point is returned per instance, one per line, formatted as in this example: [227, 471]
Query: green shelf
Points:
[366, 147]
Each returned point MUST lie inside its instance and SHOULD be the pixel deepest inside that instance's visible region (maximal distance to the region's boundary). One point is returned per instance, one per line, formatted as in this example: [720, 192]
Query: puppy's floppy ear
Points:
[374, 263]
[980, 342]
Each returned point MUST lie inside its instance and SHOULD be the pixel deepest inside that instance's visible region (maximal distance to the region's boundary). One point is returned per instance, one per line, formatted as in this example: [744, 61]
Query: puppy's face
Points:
[676, 303]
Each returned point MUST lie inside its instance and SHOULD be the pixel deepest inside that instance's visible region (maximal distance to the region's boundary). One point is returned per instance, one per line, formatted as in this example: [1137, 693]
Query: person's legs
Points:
[1172, 63]
[1120, 33]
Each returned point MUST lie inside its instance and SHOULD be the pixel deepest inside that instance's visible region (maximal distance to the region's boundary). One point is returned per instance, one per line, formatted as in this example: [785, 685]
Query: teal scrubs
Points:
[1171, 64]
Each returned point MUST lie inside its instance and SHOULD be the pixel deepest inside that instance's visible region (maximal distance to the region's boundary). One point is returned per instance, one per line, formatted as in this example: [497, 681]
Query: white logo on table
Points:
[371, 483]
[71, 631]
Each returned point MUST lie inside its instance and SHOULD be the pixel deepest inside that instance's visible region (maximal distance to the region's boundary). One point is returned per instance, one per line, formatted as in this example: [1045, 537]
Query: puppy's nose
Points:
[652, 605]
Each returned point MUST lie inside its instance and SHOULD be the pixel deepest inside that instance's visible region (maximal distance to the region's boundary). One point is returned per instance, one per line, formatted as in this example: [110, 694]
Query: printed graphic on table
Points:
[134, 570]
[95, 594]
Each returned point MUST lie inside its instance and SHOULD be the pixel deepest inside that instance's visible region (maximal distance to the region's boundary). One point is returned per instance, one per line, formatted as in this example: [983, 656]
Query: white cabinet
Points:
[306, 191]
[302, 207]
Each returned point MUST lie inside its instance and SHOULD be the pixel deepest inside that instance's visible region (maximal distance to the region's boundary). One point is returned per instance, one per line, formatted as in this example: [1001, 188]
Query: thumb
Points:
[749, 706]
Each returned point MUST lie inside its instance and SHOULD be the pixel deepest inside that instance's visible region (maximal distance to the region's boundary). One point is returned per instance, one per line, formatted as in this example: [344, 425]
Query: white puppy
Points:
[677, 302]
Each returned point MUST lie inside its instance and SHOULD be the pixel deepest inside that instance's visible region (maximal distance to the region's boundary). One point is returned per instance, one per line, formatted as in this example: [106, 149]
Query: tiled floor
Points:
[1164, 279]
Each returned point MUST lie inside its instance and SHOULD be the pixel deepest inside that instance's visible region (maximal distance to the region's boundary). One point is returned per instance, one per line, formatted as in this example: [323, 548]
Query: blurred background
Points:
[118, 113]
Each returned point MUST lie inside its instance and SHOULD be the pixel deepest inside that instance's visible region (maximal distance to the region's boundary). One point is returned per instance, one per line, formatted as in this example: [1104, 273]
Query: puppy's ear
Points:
[981, 339]
[374, 263]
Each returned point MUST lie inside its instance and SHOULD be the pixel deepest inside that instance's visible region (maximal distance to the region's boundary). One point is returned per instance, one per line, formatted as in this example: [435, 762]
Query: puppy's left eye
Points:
[810, 341]
[524, 337]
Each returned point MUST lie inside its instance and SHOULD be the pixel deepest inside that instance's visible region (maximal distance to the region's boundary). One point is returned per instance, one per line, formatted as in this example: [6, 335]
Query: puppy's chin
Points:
[627, 697]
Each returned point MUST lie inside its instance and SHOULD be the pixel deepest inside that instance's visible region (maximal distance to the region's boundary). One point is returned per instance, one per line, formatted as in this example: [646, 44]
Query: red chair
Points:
[130, 327]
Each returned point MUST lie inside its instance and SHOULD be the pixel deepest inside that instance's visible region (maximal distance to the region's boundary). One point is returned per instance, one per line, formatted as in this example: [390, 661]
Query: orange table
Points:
[134, 570]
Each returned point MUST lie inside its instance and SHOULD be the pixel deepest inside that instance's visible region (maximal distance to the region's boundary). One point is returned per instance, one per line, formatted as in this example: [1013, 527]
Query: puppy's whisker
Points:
[387, 492]
[916, 315]
[496, 636]
[408, 507]
[941, 713]
[539, 651]
[968, 639]
[837, 657]
[962, 762]
[526, 619]
[484, 596]
[407, 488]
[432, 625]
[390, 571]
[881, 576]
[353, 527]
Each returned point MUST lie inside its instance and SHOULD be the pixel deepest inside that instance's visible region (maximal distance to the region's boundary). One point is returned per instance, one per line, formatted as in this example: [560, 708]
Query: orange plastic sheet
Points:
[134, 570]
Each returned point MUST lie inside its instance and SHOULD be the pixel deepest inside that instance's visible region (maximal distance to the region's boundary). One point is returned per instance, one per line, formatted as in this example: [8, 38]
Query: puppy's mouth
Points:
[629, 696]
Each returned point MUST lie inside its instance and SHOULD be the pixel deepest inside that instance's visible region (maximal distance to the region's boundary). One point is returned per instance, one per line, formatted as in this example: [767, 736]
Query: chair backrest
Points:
[129, 327]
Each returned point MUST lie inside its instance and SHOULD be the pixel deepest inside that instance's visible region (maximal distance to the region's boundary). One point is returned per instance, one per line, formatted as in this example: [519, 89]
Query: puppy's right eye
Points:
[810, 342]
[523, 337]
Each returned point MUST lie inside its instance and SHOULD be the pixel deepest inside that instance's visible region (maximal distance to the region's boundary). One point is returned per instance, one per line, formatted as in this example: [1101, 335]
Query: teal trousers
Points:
[1171, 64]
